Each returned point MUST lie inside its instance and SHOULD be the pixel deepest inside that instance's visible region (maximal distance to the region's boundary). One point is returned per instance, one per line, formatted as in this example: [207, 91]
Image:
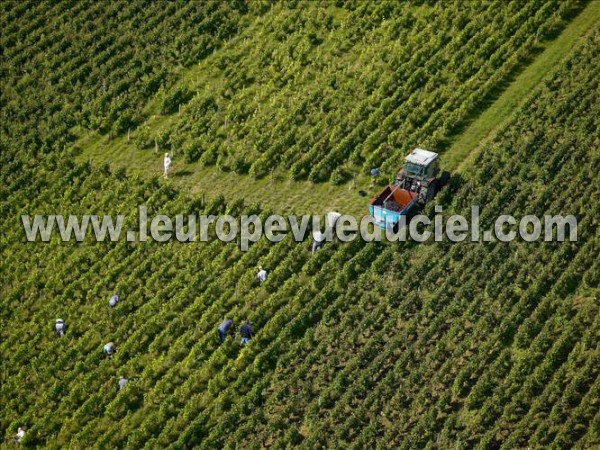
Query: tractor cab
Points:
[419, 174]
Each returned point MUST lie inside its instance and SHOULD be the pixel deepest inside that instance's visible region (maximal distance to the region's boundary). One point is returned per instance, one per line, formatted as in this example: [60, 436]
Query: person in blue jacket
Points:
[246, 332]
[224, 328]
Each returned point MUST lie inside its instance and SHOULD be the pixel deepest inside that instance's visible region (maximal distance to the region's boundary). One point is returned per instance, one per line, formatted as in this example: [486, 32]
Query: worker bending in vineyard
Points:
[113, 301]
[246, 332]
[318, 239]
[122, 382]
[60, 327]
[167, 164]
[20, 434]
[109, 349]
[261, 276]
[224, 328]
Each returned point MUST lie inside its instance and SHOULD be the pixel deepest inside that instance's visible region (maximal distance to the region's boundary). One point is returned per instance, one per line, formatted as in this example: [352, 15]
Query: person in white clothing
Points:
[113, 301]
[261, 276]
[167, 164]
[122, 382]
[318, 239]
[19, 435]
[59, 327]
[109, 349]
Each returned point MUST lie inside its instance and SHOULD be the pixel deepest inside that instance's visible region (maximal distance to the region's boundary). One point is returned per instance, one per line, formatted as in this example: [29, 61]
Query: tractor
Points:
[414, 185]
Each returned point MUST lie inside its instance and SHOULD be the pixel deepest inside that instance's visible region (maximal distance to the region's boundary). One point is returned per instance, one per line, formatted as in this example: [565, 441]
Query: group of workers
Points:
[245, 330]
[110, 348]
[224, 328]
[228, 325]
[60, 327]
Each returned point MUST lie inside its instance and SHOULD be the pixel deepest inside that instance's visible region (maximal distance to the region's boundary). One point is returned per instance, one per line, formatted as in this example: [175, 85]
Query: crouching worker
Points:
[246, 332]
[122, 382]
[113, 301]
[261, 276]
[110, 349]
[60, 327]
[224, 328]
[20, 434]
[318, 239]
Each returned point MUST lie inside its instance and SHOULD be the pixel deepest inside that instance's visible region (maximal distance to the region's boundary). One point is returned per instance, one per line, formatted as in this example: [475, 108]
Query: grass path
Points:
[284, 195]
